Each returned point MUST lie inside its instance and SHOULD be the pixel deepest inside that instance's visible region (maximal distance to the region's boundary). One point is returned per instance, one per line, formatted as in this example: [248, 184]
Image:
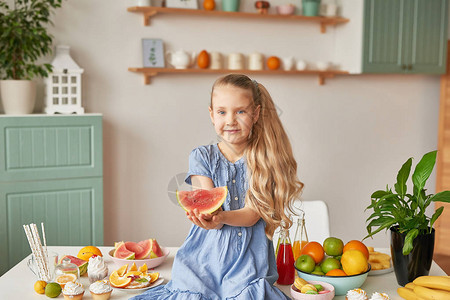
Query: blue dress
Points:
[228, 263]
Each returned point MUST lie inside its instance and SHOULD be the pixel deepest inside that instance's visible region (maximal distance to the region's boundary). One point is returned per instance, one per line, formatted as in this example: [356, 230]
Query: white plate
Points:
[156, 283]
[380, 272]
[383, 271]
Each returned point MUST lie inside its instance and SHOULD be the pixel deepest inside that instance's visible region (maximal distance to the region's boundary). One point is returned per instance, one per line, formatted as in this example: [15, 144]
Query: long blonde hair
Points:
[273, 181]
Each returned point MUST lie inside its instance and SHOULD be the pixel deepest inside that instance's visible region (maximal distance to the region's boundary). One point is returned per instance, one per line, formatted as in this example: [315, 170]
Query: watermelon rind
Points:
[80, 263]
[216, 203]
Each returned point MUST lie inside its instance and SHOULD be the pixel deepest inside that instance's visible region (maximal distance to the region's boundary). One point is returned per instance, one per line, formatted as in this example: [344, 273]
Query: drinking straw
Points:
[37, 239]
[33, 250]
[45, 244]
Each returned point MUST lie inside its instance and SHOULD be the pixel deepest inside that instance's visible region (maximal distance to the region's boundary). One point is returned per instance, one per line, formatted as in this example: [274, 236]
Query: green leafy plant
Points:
[407, 211]
[24, 38]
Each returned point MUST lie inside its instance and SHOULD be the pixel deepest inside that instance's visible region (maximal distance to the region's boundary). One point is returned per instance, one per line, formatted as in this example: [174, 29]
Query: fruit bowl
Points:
[150, 262]
[295, 293]
[341, 283]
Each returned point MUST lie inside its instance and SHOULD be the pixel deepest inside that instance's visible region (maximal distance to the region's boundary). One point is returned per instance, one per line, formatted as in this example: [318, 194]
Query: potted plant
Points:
[23, 40]
[403, 213]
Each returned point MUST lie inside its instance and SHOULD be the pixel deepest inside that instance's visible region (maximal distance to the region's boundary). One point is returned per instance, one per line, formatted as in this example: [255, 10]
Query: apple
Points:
[317, 271]
[333, 246]
[305, 263]
[330, 263]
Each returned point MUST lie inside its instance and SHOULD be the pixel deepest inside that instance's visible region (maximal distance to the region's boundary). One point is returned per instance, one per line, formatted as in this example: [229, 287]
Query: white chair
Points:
[316, 221]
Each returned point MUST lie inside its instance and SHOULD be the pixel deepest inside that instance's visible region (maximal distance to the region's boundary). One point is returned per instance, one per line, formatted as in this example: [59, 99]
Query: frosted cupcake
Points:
[97, 269]
[100, 290]
[73, 291]
[379, 296]
[356, 294]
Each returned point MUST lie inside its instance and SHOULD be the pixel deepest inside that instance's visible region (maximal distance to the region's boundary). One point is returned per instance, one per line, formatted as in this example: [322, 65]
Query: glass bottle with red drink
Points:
[285, 259]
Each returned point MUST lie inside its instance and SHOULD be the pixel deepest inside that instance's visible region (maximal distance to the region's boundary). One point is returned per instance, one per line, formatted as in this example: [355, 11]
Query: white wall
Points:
[349, 136]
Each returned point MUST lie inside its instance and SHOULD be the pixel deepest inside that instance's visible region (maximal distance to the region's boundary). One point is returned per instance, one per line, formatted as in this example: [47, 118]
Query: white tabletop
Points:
[18, 282]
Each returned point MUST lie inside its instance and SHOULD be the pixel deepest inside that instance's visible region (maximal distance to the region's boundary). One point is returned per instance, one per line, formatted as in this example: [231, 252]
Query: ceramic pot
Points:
[230, 5]
[18, 96]
[415, 264]
[311, 7]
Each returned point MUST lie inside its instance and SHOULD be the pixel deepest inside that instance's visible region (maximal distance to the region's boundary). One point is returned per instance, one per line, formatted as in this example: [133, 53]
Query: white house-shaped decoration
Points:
[63, 93]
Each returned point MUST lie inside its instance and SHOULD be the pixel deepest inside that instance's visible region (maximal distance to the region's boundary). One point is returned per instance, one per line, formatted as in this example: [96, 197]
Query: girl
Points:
[230, 255]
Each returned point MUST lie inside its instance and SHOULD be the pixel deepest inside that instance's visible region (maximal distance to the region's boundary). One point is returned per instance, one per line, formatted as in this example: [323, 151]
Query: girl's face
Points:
[233, 113]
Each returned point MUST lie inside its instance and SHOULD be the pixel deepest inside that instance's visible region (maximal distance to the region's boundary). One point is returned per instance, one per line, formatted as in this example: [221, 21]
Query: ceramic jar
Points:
[235, 61]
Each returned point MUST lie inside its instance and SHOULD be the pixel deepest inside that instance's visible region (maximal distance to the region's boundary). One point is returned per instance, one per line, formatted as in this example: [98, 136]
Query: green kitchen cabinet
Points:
[405, 36]
[51, 171]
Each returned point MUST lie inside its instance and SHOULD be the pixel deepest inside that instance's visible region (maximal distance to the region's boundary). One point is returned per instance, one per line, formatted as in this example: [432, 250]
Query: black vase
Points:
[415, 264]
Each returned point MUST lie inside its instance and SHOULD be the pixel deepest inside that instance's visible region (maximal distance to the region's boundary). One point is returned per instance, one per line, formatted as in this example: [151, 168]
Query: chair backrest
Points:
[316, 221]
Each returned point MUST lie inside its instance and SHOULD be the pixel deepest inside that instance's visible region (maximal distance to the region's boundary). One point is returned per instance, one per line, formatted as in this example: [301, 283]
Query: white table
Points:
[18, 282]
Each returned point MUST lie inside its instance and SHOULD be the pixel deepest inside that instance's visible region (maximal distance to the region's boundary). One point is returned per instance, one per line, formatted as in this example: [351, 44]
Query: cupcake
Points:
[100, 290]
[356, 294]
[379, 296]
[73, 291]
[97, 269]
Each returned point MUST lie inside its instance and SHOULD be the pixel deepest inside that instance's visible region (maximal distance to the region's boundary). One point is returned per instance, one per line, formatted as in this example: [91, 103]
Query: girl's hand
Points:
[205, 221]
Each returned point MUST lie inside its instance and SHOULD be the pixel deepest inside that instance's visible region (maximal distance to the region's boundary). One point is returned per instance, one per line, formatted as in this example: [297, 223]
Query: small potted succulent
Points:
[23, 40]
[403, 213]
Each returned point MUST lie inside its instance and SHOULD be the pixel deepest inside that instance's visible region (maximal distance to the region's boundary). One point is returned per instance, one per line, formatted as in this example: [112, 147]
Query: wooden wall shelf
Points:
[151, 72]
[150, 11]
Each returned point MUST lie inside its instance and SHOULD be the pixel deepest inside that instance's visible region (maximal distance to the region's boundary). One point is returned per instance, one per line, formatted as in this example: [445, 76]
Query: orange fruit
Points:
[143, 268]
[122, 270]
[65, 278]
[132, 273]
[154, 277]
[273, 63]
[336, 272]
[133, 267]
[86, 252]
[354, 262]
[203, 60]
[357, 245]
[119, 281]
[315, 250]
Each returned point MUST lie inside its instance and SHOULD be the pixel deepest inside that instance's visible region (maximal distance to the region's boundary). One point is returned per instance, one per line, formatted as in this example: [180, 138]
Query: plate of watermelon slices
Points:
[146, 251]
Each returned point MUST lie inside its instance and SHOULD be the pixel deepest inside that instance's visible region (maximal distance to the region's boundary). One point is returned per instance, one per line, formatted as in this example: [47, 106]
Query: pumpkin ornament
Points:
[203, 60]
[209, 4]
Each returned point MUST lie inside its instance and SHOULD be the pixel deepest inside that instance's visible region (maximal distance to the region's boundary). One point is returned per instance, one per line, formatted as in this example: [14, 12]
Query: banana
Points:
[434, 282]
[431, 294]
[410, 285]
[408, 294]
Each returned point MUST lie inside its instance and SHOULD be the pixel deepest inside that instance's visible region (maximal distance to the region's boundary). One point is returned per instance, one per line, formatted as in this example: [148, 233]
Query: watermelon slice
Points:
[146, 246]
[156, 250]
[206, 201]
[133, 247]
[123, 253]
[81, 264]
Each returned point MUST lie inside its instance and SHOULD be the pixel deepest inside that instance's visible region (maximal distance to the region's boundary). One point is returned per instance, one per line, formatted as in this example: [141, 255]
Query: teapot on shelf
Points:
[180, 59]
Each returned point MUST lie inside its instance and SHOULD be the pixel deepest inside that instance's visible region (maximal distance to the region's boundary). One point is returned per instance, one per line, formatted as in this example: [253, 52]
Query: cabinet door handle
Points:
[410, 67]
[403, 67]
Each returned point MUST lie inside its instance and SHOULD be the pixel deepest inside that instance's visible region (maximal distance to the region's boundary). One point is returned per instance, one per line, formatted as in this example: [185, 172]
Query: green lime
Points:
[312, 292]
[52, 290]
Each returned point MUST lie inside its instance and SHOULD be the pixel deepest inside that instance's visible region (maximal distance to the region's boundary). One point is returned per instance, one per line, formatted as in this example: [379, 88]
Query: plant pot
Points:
[18, 96]
[310, 7]
[415, 264]
[230, 5]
